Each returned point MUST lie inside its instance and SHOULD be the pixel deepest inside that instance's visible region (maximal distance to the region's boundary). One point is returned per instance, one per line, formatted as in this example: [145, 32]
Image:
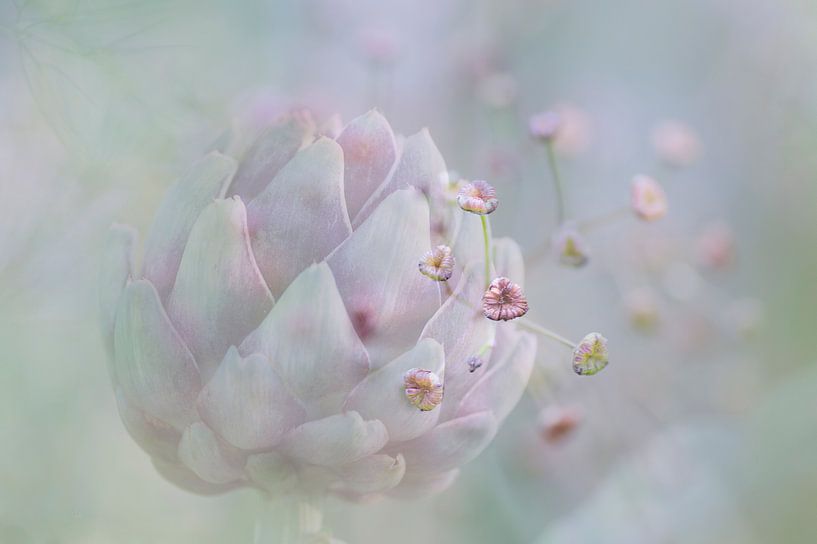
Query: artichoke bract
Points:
[278, 333]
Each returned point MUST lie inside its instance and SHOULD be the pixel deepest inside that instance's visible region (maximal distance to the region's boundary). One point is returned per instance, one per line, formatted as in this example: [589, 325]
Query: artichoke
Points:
[279, 335]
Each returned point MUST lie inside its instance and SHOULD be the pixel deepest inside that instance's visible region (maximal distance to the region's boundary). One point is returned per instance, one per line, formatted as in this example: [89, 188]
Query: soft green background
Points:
[103, 103]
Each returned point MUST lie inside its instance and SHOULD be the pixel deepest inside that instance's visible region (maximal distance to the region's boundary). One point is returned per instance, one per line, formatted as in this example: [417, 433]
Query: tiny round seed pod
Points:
[424, 389]
[590, 356]
[504, 300]
[437, 264]
[477, 197]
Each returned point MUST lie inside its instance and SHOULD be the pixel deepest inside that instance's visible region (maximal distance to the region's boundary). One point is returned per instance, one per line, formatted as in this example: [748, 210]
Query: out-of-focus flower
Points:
[648, 200]
[570, 247]
[380, 46]
[545, 125]
[437, 264]
[716, 246]
[504, 300]
[745, 316]
[676, 143]
[477, 197]
[590, 356]
[557, 422]
[270, 337]
[642, 309]
[575, 130]
[497, 90]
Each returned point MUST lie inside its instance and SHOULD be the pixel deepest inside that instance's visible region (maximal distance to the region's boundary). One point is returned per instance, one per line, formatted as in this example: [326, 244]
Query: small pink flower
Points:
[642, 309]
[477, 197]
[676, 143]
[424, 389]
[590, 356]
[649, 202]
[570, 247]
[438, 264]
[545, 126]
[504, 300]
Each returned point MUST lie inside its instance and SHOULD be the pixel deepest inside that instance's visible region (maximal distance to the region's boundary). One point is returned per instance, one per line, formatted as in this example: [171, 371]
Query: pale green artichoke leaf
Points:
[270, 152]
[501, 386]
[301, 216]
[369, 152]
[153, 366]
[247, 403]
[369, 475]
[219, 295]
[116, 269]
[469, 246]
[272, 471]
[420, 165]
[508, 260]
[157, 439]
[382, 394]
[181, 206]
[376, 272]
[422, 484]
[311, 342]
[463, 331]
[449, 445]
[335, 440]
[201, 452]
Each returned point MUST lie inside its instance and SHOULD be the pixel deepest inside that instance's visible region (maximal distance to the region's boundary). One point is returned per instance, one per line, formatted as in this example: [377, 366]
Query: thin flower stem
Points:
[538, 329]
[487, 238]
[557, 181]
[603, 220]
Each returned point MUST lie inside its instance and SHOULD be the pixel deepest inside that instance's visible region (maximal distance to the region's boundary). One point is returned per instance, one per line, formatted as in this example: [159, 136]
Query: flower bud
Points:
[649, 202]
[545, 126]
[424, 389]
[556, 423]
[570, 247]
[477, 197]
[590, 356]
[504, 300]
[437, 264]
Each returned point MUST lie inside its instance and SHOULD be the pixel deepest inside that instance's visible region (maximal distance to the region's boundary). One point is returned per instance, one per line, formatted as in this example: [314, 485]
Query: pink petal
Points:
[372, 474]
[382, 396]
[462, 330]
[153, 366]
[376, 271]
[450, 444]
[419, 484]
[247, 404]
[369, 152]
[420, 166]
[310, 341]
[301, 216]
[219, 295]
[508, 371]
[335, 440]
[182, 204]
[201, 452]
[116, 269]
[273, 149]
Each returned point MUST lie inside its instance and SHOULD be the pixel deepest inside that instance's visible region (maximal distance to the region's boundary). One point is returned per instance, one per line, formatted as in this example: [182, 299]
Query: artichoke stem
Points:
[289, 520]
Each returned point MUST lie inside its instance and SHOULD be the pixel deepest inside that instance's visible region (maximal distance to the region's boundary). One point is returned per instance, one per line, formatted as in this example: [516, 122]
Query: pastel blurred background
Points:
[702, 429]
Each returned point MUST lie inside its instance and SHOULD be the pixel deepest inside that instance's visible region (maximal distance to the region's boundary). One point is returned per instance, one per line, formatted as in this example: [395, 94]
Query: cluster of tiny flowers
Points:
[648, 199]
[478, 197]
[438, 264]
[504, 301]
